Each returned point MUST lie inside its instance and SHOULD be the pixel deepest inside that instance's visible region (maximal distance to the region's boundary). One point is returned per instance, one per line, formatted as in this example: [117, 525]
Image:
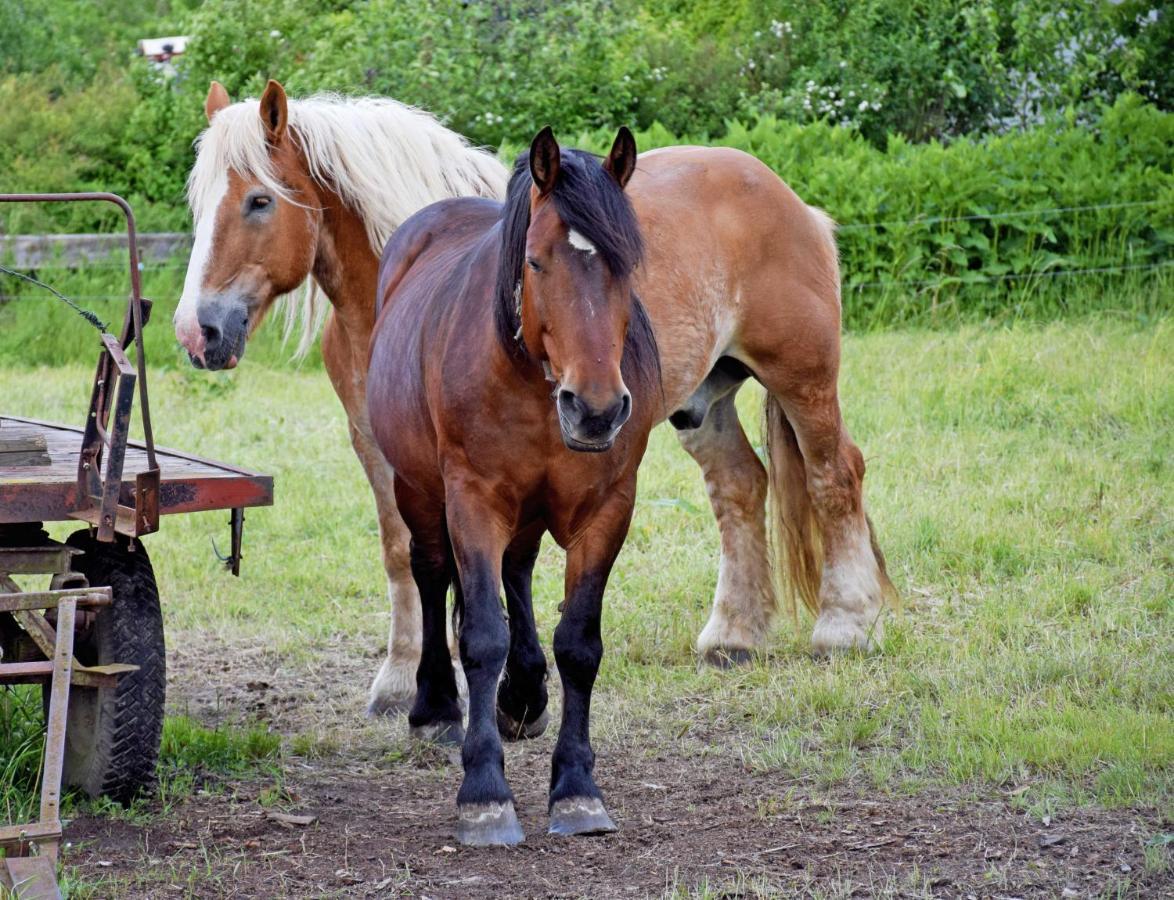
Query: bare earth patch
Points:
[388, 831]
[693, 818]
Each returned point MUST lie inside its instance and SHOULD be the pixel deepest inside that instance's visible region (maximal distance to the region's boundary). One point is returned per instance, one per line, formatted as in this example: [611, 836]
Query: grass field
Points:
[1020, 479]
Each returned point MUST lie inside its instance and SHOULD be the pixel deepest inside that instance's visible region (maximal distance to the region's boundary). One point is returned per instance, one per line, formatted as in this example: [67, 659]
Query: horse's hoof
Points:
[388, 706]
[842, 635]
[580, 815]
[512, 730]
[442, 733]
[488, 825]
[732, 658]
[394, 689]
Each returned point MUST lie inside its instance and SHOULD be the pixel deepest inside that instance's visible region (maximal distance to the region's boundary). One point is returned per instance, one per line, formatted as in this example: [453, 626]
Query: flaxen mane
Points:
[386, 160]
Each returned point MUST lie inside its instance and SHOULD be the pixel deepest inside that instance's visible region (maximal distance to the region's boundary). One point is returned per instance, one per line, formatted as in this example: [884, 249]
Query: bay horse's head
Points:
[256, 216]
[570, 245]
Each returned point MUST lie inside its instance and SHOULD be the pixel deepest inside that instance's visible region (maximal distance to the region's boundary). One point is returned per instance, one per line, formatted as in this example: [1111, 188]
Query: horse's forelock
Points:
[589, 201]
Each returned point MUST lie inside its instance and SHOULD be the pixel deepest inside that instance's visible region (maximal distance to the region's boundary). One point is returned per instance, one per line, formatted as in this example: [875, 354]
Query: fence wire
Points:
[950, 281]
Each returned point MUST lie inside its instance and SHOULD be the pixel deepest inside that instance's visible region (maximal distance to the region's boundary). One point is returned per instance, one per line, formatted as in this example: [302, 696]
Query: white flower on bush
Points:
[778, 29]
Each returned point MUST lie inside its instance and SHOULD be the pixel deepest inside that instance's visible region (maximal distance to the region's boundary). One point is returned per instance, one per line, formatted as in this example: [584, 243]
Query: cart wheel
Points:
[113, 734]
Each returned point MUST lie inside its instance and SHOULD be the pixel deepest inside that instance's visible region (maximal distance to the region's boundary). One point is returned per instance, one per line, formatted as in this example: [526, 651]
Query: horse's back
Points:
[735, 261]
[442, 224]
[422, 274]
[720, 188]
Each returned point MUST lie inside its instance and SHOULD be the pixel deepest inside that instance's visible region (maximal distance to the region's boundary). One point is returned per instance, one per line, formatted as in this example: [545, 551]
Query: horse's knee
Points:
[484, 644]
[578, 651]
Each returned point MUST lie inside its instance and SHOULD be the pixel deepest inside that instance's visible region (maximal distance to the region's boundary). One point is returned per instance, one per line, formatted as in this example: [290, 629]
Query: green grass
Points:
[21, 749]
[1020, 481]
[38, 329]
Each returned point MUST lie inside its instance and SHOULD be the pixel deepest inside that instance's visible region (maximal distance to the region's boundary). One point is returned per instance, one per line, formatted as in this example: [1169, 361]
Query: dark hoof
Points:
[443, 733]
[512, 730]
[721, 658]
[488, 825]
[580, 815]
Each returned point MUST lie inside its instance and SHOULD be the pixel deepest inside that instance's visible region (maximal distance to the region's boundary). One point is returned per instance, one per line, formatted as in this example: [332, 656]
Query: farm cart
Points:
[94, 639]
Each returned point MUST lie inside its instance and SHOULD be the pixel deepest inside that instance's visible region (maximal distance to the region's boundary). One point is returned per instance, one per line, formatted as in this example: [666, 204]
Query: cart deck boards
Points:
[47, 492]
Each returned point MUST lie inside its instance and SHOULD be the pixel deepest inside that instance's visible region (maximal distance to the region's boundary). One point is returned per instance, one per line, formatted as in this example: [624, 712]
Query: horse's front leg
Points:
[576, 803]
[479, 533]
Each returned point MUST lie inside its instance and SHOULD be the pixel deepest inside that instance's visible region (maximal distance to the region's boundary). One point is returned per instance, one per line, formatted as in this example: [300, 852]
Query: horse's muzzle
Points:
[224, 325]
[586, 429]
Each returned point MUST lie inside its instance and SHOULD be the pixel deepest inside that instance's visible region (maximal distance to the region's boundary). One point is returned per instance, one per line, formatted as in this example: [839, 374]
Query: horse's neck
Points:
[347, 269]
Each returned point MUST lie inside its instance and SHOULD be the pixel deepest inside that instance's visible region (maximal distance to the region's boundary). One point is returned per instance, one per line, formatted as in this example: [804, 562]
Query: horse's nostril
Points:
[625, 408]
[566, 400]
[211, 336]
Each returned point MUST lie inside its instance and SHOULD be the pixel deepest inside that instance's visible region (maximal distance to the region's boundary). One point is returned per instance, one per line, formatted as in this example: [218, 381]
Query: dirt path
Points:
[691, 818]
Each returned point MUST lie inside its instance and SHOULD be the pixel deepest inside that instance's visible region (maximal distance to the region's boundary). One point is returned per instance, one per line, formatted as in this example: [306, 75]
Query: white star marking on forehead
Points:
[580, 243]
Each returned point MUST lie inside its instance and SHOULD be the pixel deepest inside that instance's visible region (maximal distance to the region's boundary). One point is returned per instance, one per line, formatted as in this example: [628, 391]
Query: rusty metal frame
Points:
[98, 486]
[29, 867]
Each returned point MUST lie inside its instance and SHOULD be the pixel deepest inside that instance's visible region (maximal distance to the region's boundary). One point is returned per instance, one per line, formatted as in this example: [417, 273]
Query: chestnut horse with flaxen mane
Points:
[740, 280]
[484, 308]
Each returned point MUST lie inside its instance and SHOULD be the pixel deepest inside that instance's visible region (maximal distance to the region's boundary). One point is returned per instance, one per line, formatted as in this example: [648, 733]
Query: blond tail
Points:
[797, 538]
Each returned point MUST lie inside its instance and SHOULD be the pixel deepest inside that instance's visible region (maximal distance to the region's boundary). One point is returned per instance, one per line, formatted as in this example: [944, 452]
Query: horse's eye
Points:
[533, 264]
[260, 201]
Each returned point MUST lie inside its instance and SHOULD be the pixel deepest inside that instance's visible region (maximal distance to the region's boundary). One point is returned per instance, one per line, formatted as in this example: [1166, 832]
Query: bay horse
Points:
[741, 280]
[513, 382]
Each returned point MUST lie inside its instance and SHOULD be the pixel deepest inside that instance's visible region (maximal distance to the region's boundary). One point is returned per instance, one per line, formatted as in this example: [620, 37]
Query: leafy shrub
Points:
[930, 232]
[76, 113]
[960, 227]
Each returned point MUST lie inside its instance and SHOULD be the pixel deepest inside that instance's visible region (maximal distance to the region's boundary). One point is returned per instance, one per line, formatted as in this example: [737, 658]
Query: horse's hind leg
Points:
[521, 696]
[822, 472]
[436, 713]
[735, 479]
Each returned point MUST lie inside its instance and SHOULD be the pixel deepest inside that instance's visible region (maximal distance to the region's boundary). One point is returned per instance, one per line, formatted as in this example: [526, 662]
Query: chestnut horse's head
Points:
[571, 243]
[256, 226]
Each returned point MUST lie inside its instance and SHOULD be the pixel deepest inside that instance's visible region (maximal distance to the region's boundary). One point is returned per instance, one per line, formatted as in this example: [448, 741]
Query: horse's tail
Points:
[796, 533]
[797, 538]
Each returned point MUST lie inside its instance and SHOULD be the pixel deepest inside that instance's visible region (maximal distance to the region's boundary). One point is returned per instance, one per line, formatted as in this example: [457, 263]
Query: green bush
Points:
[77, 111]
[958, 229]
[931, 233]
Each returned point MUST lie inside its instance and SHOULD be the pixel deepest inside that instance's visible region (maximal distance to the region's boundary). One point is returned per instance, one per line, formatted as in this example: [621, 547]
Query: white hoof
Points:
[836, 632]
[721, 639]
[394, 688]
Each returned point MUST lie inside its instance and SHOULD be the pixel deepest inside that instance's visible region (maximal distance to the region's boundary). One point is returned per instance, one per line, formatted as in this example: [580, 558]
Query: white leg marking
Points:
[850, 597]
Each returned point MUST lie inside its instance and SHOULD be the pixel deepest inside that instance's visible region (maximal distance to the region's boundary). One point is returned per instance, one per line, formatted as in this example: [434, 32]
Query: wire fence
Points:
[962, 279]
[1013, 214]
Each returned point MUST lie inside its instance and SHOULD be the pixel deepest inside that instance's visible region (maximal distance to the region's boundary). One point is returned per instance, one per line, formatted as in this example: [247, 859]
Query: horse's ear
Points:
[274, 111]
[544, 160]
[621, 162]
[217, 99]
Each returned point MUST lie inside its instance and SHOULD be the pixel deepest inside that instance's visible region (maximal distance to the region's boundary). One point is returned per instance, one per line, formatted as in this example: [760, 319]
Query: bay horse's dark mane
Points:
[589, 201]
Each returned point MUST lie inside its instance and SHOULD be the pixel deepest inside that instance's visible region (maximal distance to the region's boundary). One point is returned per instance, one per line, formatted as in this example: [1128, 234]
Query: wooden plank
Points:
[13, 459]
[64, 446]
[20, 672]
[188, 483]
[14, 439]
[30, 877]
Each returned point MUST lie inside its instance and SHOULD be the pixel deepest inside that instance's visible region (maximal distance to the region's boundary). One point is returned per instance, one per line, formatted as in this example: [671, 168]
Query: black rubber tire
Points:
[113, 735]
